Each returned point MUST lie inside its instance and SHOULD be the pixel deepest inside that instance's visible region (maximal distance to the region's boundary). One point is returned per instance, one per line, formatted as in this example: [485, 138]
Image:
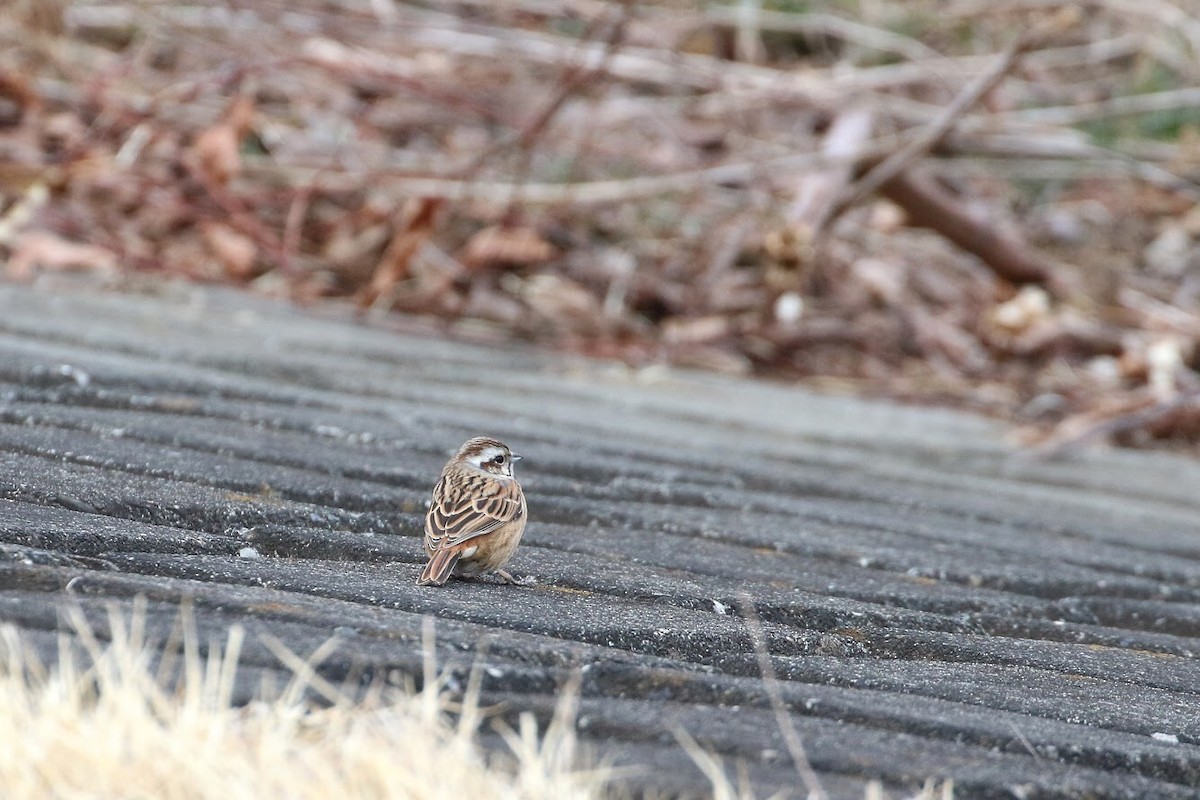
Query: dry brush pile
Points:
[989, 204]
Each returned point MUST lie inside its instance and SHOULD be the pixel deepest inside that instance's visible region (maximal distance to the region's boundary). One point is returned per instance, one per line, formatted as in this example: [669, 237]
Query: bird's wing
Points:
[461, 512]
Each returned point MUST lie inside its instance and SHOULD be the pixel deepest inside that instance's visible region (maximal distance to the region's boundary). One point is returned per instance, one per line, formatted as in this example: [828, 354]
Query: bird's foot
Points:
[506, 577]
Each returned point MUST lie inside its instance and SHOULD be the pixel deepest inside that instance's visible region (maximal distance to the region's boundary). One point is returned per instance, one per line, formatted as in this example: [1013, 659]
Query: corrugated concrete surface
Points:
[936, 603]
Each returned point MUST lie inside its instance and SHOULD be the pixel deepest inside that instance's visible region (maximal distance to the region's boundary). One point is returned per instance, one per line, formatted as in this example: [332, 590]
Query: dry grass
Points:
[102, 725]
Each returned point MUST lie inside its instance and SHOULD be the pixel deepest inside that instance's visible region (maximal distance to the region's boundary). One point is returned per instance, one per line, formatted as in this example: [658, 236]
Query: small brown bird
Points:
[477, 515]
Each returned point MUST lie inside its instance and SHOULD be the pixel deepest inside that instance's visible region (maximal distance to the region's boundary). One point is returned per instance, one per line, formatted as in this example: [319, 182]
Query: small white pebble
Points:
[80, 377]
[249, 552]
[1105, 369]
[1031, 305]
[720, 607]
[330, 430]
[789, 307]
[1164, 361]
[1165, 737]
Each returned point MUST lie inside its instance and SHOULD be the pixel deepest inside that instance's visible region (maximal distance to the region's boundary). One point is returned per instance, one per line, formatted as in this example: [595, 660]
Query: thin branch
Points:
[817, 23]
[791, 738]
[1138, 413]
[585, 192]
[930, 206]
[903, 158]
[1184, 99]
[819, 191]
[1072, 147]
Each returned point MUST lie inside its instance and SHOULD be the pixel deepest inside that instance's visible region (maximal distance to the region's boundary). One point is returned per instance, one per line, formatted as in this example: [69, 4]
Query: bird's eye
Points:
[498, 460]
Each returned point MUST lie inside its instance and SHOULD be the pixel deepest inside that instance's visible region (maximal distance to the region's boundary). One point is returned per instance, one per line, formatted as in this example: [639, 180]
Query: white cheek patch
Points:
[486, 457]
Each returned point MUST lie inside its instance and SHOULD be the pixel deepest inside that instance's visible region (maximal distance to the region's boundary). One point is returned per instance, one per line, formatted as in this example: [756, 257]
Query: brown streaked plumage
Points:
[477, 515]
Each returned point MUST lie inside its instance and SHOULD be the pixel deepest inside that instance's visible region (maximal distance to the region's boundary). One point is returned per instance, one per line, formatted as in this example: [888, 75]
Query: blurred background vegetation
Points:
[992, 205]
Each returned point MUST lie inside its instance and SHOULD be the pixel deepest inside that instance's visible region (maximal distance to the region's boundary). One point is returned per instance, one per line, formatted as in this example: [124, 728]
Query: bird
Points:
[477, 514]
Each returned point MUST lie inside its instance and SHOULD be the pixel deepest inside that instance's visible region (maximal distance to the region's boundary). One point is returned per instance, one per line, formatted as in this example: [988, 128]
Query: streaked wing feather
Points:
[463, 512]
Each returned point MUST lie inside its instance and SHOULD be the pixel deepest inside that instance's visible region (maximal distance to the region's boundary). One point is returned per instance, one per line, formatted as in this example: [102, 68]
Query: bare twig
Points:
[1138, 412]
[902, 159]
[930, 206]
[1024, 741]
[1187, 97]
[1158, 315]
[863, 35]
[1160, 12]
[573, 81]
[1011, 147]
[819, 190]
[857, 33]
[791, 738]
[581, 193]
[297, 210]
[748, 25]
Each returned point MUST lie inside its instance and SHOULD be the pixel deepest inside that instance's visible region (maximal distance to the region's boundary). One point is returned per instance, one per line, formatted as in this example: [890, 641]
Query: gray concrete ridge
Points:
[935, 602]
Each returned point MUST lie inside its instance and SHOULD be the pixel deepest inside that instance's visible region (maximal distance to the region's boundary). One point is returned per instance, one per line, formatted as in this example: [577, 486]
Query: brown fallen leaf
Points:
[40, 250]
[45, 17]
[883, 279]
[710, 357]
[562, 303]
[506, 245]
[484, 302]
[236, 252]
[215, 155]
[415, 224]
[22, 97]
[695, 330]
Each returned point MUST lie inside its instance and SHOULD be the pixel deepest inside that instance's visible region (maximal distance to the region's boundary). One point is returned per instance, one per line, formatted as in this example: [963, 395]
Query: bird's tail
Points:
[438, 570]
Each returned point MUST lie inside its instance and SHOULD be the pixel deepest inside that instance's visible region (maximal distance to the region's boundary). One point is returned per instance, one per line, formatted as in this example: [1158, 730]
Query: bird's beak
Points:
[516, 457]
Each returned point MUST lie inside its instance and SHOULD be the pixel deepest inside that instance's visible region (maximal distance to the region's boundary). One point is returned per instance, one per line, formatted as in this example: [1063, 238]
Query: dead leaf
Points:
[694, 330]
[884, 280]
[236, 252]
[717, 359]
[415, 224]
[562, 302]
[40, 250]
[505, 245]
[487, 303]
[216, 152]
